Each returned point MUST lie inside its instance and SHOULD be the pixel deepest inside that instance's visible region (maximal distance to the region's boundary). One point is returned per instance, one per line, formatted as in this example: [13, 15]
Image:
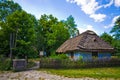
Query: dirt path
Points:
[35, 75]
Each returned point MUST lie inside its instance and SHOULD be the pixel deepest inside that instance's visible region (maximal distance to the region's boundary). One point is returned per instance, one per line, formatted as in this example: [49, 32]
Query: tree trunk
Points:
[15, 37]
[11, 46]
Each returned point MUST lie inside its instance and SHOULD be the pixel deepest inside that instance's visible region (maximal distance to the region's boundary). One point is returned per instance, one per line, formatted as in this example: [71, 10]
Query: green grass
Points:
[92, 72]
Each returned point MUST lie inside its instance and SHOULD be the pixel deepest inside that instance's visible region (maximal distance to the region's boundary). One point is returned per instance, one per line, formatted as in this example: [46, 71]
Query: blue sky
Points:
[96, 15]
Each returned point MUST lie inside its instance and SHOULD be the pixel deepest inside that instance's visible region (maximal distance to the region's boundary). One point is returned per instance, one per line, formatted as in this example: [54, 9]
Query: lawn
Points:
[92, 72]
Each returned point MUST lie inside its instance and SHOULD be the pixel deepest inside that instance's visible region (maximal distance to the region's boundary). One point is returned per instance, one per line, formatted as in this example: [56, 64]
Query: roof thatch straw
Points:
[87, 41]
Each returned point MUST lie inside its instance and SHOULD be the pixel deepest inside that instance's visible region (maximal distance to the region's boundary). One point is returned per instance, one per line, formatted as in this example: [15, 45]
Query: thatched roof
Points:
[87, 41]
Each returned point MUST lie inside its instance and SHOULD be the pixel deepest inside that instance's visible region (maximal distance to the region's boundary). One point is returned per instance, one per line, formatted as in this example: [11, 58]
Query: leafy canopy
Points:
[116, 29]
[106, 37]
[71, 26]
[116, 35]
[7, 7]
[53, 33]
[22, 25]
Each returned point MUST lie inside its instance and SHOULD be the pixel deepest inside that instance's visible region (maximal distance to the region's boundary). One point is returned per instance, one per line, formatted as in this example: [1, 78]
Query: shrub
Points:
[5, 63]
[59, 56]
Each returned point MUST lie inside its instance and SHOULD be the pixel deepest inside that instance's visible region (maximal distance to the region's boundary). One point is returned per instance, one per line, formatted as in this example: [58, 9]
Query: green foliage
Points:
[57, 37]
[116, 29]
[23, 35]
[59, 56]
[71, 26]
[80, 58]
[21, 25]
[8, 7]
[114, 40]
[51, 33]
[5, 63]
[106, 37]
[24, 49]
[116, 44]
[26, 34]
[116, 34]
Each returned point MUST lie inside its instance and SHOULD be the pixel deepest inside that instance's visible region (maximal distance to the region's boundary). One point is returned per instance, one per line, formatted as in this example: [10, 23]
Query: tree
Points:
[116, 45]
[44, 27]
[4, 43]
[71, 26]
[59, 35]
[21, 26]
[6, 8]
[116, 34]
[106, 37]
[116, 29]
[51, 34]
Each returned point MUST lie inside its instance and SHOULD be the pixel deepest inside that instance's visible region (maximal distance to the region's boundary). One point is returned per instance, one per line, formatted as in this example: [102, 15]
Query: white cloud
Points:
[86, 27]
[117, 3]
[89, 7]
[98, 17]
[112, 23]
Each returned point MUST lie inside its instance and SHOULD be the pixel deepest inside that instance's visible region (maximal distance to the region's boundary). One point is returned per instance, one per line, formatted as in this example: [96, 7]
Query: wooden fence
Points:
[61, 63]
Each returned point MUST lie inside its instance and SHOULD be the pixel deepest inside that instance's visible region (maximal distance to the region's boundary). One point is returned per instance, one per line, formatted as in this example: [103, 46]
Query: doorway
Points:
[94, 54]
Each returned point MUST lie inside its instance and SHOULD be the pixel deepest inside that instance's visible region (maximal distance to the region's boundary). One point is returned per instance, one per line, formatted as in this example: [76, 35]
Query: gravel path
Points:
[35, 75]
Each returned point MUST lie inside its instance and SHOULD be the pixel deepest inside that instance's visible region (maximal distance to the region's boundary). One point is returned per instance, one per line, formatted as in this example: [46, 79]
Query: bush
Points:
[5, 63]
[59, 56]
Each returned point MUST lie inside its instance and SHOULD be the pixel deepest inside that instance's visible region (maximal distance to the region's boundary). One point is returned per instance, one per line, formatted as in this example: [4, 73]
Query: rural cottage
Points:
[86, 46]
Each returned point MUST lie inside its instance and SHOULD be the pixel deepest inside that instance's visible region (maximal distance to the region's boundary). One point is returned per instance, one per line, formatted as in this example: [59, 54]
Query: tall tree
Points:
[116, 34]
[53, 33]
[58, 35]
[116, 29]
[71, 26]
[21, 27]
[6, 8]
[45, 23]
